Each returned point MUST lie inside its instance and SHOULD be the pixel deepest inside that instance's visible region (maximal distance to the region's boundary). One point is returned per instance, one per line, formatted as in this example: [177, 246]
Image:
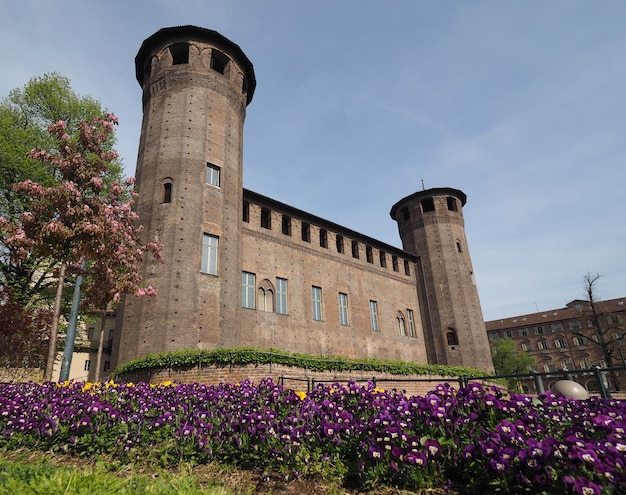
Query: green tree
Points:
[25, 115]
[509, 360]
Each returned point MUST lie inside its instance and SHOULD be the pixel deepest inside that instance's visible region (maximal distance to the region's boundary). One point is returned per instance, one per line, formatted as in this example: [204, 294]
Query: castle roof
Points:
[184, 33]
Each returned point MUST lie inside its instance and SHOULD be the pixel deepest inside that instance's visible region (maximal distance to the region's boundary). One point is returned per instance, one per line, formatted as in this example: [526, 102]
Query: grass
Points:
[44, 474]
[33, 473]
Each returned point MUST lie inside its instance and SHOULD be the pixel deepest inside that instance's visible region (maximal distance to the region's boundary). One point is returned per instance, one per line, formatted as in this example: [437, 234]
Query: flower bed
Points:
[472, 440]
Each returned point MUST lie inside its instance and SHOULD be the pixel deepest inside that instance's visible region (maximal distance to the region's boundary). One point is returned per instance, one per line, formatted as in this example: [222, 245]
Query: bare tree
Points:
[605, 328]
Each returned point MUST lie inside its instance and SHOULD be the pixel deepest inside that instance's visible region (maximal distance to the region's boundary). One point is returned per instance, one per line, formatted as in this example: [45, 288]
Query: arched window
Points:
[167, 191]
[265, 296]
[401, 324]
[451, 337]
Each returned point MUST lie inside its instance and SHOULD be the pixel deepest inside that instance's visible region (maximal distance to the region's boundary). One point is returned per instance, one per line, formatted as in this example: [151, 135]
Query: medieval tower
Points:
[196, 86]
[245, 270]
[431, 227]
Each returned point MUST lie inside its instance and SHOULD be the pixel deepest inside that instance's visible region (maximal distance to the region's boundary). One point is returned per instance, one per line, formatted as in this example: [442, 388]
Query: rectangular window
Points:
[407, 268]
[343, 309]
[522, 332]
[525, 347]
[248, 286]
[543, 345]
[306, 232]
[245, 214]
[374, 316]
[383, 259]
[316, 298]
[212, 174]
[209, 254]
[369, 254]
[107, 366]
[286, 225]
[549, 367]
[394, 263]
[339, 243]
[614, 319]
[281, 295]
[556, 327]
[508, 334]
[452, 206]
[266, 218]
[560, 343]
[538, 330]
[355, 249]
[494, 336]
[323, 238]
[585, 363]
[574, 325]
[87, 365]
[409, 315]
[579, 341]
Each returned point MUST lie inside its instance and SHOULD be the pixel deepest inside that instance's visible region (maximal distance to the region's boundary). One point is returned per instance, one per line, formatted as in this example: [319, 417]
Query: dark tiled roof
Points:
[570, 312]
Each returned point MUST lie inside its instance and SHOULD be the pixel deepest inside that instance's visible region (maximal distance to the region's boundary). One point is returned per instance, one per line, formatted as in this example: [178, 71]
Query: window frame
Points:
[209, 262]
[213, 174]
[281, 295]
[344, 317]
[316, 303]
[248, 290]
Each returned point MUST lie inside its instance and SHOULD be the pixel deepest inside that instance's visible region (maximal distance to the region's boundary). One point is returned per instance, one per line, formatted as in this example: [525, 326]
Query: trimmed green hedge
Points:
[240, 356]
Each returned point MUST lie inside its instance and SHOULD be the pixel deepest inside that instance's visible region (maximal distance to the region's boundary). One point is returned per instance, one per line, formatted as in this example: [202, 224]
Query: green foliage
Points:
[246, 355]
[509, 360]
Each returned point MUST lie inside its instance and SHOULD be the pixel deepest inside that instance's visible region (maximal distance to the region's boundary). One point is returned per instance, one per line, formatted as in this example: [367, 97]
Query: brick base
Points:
[291, 377]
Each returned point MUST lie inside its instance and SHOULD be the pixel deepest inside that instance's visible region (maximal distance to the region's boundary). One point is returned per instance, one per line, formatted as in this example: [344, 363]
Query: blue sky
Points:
[519, 104]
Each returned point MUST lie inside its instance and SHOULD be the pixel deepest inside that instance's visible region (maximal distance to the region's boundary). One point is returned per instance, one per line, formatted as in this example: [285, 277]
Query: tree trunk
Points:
[52, 343]
[100, 347]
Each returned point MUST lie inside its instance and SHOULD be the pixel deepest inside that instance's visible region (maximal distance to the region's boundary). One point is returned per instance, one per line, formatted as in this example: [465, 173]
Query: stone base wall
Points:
[294, 378]
[19, 375]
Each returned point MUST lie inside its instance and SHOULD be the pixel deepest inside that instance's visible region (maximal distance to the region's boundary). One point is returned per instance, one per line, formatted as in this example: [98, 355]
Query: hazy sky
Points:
[520, 104]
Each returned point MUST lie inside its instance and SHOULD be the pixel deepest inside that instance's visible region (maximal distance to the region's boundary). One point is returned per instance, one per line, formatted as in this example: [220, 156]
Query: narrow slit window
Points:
[451, 337]
[383, 259]
[407, 268]
[394, 262]
[452, 204]
[369, 254]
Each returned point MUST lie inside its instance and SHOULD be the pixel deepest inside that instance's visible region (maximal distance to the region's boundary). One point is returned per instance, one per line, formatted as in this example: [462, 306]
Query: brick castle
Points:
[245, 270]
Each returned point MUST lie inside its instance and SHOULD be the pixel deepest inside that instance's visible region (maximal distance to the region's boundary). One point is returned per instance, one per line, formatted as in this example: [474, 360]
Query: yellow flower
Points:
[378, 390]
[167, 383]
[87, 386]
[302, 395]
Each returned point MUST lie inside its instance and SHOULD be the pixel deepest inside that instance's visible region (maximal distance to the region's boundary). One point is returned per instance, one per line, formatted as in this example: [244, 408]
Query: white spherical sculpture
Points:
[570, 389]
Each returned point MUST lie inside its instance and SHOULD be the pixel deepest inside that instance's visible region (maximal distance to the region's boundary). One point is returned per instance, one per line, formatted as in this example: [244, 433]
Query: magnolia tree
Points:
[86, 224]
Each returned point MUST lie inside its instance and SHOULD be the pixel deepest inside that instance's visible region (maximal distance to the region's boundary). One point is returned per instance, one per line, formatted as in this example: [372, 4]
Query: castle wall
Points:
[270, 253]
